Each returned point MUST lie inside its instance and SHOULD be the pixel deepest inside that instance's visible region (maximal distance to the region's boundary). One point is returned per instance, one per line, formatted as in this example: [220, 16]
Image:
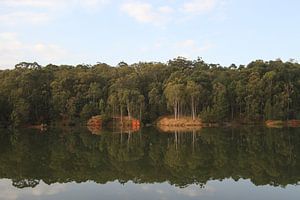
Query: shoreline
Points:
[168, 123]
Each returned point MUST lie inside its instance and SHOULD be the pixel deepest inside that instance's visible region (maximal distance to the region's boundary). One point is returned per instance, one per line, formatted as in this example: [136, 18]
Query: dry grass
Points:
[280, 123]
[293, 123]
[274, 123]
[181, 122]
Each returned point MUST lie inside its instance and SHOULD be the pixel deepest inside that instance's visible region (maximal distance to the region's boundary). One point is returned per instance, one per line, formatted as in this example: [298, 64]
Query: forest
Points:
[262, 90]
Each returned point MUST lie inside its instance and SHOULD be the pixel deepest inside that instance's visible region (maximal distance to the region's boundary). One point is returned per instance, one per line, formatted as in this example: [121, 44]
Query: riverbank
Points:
[129, 124]
[169, 123]
[185, 121]
[166, 124]
[279, 123]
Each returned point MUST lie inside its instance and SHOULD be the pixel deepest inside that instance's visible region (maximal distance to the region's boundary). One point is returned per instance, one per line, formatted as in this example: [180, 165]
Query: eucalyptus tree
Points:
[193, 91]
[174, 93]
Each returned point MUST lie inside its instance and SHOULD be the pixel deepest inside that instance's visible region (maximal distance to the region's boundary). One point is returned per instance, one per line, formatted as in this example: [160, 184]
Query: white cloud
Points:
[13, 51]
[30, 3]
[192, 45]
[199, 6]
[94, 3]
[38, 11]
[189, 48]
[14, 18]
[146, 13]
[49, 51]
[52, 3]
[165, 9]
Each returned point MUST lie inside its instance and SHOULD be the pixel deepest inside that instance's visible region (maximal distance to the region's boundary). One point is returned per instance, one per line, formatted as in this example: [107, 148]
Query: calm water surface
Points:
[245, 163]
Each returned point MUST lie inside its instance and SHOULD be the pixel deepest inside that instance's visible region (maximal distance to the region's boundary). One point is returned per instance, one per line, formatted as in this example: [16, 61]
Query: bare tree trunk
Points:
[175, 110]
[193, 108]
[121, 110]
[128, 110]
[178, 110]
[195, 111]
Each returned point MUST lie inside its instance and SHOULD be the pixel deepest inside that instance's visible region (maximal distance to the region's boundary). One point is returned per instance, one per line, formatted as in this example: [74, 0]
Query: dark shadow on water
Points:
[265, 156]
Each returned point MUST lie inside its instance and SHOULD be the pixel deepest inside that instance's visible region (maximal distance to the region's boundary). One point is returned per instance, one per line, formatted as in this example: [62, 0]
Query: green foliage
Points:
[208, 115]
[88, 111]
[220, 102]
[261, 90]
[20, 112]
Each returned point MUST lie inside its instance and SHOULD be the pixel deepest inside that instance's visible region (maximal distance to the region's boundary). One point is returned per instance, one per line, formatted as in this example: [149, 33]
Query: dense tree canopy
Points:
[262, 90]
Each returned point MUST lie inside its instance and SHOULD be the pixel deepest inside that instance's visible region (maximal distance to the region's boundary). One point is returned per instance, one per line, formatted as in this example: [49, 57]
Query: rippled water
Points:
[243, 163]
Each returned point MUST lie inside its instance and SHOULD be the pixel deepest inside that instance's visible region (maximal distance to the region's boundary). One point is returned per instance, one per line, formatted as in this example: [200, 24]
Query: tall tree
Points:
[193, 92]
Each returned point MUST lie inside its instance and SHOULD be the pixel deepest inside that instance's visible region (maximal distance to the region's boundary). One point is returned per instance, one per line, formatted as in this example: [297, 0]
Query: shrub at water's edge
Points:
[125, 123]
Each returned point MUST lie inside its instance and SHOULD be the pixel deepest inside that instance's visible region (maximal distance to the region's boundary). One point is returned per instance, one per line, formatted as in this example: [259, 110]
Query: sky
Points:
[111, 31]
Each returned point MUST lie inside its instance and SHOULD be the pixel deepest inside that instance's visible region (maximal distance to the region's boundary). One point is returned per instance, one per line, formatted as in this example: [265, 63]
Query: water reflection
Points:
[264, 156]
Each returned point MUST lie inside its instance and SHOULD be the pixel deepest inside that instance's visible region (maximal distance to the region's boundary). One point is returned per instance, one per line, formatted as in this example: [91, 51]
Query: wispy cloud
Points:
[30, 3]
[39, 11]
[147, 13]
[13, 18]
[190, 48]
[94, 3]
[52, 3]
[199, 6]
[13, 50]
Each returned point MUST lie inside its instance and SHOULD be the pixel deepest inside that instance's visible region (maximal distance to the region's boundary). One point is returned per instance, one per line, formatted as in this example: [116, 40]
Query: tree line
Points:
[262, 90]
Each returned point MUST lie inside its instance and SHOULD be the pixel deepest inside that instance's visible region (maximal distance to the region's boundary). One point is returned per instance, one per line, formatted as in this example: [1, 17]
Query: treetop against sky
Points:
[88, 31]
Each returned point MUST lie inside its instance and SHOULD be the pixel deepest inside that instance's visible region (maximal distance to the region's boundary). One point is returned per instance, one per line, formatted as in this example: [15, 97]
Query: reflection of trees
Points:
[124, 147]
[269, 156]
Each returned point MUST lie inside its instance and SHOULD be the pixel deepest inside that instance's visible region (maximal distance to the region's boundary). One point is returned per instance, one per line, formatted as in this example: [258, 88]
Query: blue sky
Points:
[90, 31]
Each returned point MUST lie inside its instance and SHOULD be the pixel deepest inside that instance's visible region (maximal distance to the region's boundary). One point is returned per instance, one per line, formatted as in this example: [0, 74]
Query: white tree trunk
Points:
[128, 110]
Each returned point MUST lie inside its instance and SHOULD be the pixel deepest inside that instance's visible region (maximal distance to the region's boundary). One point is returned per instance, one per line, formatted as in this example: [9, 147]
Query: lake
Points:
[213, 163]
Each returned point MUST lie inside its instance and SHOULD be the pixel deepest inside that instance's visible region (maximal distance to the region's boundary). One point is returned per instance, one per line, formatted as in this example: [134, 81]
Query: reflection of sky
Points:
[227, 189]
